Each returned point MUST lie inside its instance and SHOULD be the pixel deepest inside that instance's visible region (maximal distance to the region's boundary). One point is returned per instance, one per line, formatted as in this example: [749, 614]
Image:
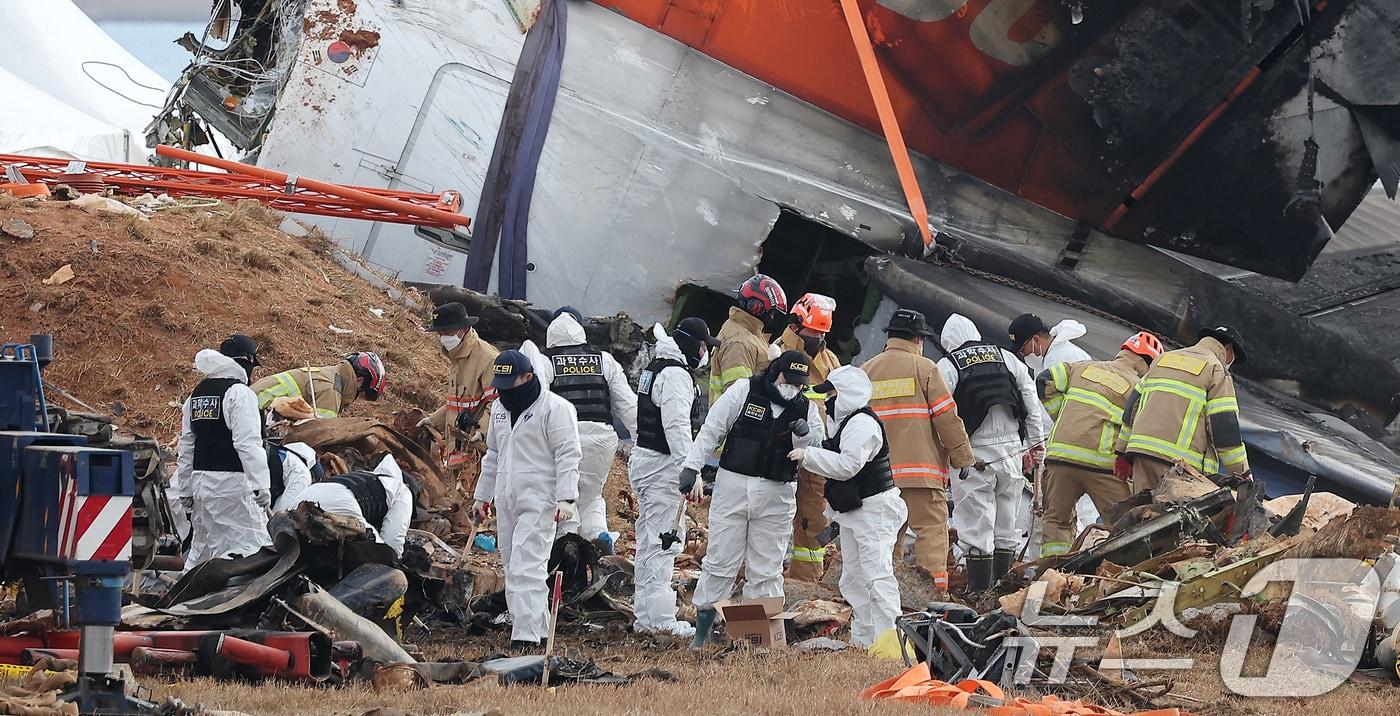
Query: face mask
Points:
[450, 342]
[813, 345]
[788, 391]
[704, 360]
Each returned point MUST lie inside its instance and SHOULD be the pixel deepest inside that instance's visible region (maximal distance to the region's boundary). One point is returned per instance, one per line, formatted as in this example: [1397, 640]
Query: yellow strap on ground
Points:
[888, 122]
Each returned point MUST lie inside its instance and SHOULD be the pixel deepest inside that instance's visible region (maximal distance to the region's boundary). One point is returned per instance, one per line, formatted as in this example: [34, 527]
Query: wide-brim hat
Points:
[451, 317]
[1229, 336]
[907, 321]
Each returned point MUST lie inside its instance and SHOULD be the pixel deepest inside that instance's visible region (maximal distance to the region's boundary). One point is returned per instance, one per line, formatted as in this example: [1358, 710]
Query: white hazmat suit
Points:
[986, 503]
[597, 441]
[297, 459]
[529, 467]
[868, 532]
[655, 479]
[1062, 350]
[338, 499]
[226, 520]
[750, 516]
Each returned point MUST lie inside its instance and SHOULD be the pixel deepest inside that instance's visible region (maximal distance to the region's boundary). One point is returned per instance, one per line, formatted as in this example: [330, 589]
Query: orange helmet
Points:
[1146, 345]
[814, 311]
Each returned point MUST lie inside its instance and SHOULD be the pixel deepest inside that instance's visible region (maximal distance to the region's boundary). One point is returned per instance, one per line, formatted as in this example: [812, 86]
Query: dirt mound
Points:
[146, 295]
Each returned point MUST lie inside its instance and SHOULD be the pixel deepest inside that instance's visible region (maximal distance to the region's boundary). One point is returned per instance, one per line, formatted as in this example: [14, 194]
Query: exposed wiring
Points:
[85, 64]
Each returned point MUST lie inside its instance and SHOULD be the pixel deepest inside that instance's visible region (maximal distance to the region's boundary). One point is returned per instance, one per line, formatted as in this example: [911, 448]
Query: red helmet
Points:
[762, 296]
[1146, 345]
[370, 371]
[814, 311]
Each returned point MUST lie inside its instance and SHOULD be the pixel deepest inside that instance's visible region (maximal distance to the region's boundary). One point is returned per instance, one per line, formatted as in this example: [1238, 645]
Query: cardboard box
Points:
[760, 622]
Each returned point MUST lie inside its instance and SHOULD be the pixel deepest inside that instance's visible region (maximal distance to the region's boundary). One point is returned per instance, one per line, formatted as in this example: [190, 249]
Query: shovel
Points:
[674, 536]
[558, 597]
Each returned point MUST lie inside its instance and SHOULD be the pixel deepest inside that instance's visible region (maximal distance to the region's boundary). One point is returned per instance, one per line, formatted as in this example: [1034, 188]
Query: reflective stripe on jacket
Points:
[1185, 409]
[1086, 400]
[742, 352]
[468, 384]
[919, 414]
[333, 388]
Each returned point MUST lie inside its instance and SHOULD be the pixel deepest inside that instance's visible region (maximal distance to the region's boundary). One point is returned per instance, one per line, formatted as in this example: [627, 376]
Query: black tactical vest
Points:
[651, 432]
[759, 441]
[875, 477]
[213, 440]
[276, 470]
[984, 380]
[369, 495]
[579, 379]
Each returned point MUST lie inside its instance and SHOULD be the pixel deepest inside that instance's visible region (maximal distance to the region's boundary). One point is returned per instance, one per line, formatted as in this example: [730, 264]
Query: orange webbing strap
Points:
[888, 122]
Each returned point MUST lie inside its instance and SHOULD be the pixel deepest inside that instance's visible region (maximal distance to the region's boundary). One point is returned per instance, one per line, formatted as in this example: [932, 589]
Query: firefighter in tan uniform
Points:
[330, 389]
[810, 323]
[1185, 409]
[743, 339]
[925, 435]
[1086, 400]
[469, 391]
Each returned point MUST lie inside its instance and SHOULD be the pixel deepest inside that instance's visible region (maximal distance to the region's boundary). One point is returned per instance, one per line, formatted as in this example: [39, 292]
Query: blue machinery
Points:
[67, 517]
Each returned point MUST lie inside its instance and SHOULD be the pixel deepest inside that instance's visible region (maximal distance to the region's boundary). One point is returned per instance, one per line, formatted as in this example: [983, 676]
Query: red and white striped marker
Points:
[92, 527]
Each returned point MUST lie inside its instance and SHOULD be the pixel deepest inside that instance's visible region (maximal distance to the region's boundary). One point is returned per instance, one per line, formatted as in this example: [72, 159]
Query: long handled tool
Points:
[557, 598]
[1037, 509]
[674, 536]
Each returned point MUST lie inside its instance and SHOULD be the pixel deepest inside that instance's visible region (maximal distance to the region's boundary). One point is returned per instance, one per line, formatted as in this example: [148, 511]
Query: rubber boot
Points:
[519, 646]
[1001, 563]
[704, 627]
[979, 572]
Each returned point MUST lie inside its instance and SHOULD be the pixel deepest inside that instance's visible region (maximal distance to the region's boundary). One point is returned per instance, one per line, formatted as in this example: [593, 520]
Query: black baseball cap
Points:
[696, 328]
[907, 321]
[240, 346]
[1229, 336]
[1024, 327]
[510, 365]
[795, 366]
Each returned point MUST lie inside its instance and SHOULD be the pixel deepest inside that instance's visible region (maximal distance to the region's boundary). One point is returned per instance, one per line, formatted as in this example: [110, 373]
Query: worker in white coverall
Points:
[862, 499]
[997, 400]
[1044, 348]
[530, 474]
[221, 478]
[298, 461]
[380, 499]
[668, 410]
[594, 382]
[759, 420]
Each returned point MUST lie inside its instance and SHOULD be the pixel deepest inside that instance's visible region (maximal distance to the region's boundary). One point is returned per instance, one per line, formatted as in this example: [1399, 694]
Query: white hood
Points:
[957, 331]
[389, 467]
[217, 365]
[1067, 330]
[666, 346]
[303, 451]
[852, 389]
[564, 331]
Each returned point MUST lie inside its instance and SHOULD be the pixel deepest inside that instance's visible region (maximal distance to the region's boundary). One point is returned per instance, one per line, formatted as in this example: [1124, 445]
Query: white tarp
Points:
[54, 48]
[32, 122]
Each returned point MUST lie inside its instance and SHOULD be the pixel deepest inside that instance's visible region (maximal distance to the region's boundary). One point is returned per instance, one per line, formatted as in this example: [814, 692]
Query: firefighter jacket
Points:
[1086, 401]
[920, 417]
[742, 352]
[330, 389]
[1185, 409]
[468, 384]
[822, 364]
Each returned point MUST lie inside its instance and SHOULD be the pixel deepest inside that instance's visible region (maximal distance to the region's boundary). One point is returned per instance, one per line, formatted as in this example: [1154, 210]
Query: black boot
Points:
[519, 646]
[979, 572]
[1001, 563]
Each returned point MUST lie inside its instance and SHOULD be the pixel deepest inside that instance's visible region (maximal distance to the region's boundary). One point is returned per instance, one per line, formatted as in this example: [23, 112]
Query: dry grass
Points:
[759, 683]
[148, 295]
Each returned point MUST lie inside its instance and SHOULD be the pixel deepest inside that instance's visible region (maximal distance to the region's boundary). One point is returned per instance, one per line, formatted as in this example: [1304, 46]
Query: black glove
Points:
[466, 422]
[800, 428]
[688, 480]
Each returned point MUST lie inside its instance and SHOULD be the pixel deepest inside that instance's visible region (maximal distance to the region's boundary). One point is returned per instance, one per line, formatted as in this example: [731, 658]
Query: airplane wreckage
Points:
[1165, 164]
